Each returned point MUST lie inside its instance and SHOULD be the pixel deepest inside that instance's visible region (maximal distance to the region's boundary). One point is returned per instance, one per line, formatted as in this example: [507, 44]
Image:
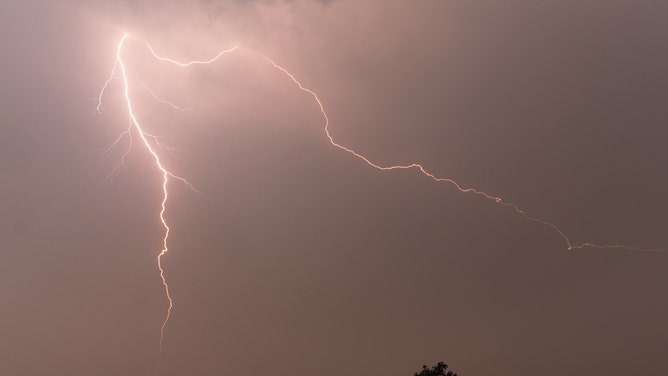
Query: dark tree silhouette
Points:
[437, 370]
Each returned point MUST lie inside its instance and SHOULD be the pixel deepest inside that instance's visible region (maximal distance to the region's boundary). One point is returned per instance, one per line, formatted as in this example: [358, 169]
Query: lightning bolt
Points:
[151, 143]
[165, 177]
[121, 69]
[425, 172]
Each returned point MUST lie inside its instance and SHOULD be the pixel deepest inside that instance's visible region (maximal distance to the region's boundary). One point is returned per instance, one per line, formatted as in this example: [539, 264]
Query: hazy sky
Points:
[301, 259]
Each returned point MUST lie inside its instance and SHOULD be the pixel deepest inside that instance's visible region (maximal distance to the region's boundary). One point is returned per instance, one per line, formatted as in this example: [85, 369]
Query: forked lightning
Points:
[151, 144]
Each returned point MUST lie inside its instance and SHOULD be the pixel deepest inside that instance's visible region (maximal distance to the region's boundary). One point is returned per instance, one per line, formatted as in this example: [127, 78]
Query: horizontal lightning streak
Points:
[193, 62]
[433, 177]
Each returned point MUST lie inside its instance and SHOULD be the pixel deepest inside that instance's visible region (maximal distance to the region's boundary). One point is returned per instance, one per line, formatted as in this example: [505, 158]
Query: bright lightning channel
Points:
[150, 142]
[144, 137]
[425, 172]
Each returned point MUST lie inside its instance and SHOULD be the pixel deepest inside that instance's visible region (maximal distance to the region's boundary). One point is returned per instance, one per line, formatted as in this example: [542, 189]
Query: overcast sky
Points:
[298, 258]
